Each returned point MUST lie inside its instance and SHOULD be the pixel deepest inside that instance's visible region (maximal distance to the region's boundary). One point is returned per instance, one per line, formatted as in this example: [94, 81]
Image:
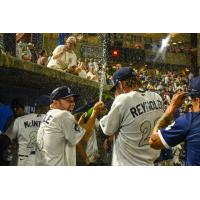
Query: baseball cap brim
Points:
[71, 95]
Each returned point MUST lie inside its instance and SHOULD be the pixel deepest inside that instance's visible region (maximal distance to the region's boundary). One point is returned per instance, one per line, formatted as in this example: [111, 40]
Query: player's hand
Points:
[177, 100]
[98, 107]
[81, 120]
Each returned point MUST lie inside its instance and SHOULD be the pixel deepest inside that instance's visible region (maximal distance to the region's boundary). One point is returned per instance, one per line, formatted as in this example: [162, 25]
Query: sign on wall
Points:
[90, 51]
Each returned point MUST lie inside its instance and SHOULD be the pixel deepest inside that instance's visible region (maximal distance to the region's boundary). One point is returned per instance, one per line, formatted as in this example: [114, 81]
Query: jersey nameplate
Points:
[47, 119]
[144, 107]
[32, 123]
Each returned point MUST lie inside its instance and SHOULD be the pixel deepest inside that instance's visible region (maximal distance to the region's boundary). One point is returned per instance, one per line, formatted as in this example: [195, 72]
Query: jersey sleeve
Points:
[110, 123]
[72, 131]
[13, 129]
[175, 133]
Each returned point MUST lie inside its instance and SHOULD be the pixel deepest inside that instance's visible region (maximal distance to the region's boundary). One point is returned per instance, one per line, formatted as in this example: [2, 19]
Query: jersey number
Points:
[32, 141]
[145, 129]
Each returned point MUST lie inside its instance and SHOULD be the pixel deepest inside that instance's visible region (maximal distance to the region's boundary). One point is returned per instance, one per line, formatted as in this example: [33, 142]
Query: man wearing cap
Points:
[59, 132]
[186, 128]
[24, 129]
[64, 58]
[131, 119]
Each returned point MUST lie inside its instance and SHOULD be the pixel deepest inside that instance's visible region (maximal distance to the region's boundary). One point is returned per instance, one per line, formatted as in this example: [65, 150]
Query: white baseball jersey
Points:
[24, 129]
[133, 116]
[92, 148]
[57, 138]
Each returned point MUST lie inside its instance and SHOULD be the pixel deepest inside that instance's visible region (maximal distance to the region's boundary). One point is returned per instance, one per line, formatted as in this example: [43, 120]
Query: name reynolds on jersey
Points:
[145, 107]
[28, 124]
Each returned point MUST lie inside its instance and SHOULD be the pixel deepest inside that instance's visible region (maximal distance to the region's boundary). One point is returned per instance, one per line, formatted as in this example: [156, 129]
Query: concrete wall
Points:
[28, 80]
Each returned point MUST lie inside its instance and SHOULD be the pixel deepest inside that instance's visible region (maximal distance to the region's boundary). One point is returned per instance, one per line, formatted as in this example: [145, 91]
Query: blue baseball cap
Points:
[43, 100]
[194, 87]
[122, 74]
[61, 93]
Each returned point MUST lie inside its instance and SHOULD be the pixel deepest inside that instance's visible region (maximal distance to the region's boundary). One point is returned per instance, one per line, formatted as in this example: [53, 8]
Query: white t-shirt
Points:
[132, 117]
[65, 61]
[57, 138]
[24, 129]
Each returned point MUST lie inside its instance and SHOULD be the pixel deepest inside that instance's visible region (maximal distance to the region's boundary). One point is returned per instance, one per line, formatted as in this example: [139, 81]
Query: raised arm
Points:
[89, 125]
[177, 100]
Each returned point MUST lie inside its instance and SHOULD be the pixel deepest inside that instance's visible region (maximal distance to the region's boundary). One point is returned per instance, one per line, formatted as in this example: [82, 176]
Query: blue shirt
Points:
[5, 114]
[185, 128]
[61, 37]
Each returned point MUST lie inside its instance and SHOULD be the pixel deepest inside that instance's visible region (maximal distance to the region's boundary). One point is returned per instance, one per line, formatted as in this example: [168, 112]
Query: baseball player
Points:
[132, 117]
[185, 128]
[88, 153]
[59, 132]
[8, 156]
[25, 128]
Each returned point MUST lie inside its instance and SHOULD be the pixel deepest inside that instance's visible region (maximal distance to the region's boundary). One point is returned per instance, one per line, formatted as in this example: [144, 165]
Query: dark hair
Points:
[42, 109]
[42, 52]
[131, 82]
[18, 103]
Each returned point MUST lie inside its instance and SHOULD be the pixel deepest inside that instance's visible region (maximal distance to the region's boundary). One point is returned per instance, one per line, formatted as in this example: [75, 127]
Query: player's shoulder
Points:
[27, 116]
[121, 99]
[126, 97]
[60, 113]
[184, 120]
[154, 95]
[24, 117]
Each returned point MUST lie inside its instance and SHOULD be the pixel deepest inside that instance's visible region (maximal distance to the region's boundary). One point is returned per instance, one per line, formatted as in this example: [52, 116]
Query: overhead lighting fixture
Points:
[174, 43]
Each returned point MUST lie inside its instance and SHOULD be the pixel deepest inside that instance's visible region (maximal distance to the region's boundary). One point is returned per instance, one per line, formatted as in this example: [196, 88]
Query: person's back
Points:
[54, 139]
[138, 113]
[24, 129]
[188, 125]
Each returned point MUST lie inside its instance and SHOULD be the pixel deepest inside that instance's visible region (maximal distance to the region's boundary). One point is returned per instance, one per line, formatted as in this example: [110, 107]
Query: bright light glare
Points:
[162, 51]
[165, 41]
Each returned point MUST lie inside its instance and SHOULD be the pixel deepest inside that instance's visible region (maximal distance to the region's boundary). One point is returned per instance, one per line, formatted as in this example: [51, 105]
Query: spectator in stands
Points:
[22, 50]
[96, 66]
[34, 54]
[82, 71]
[90, 74]
[43, 58]
[90, 64]
[64, 58]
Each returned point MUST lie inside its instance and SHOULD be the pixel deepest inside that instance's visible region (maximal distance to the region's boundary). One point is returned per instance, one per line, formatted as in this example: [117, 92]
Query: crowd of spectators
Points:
[63, 58]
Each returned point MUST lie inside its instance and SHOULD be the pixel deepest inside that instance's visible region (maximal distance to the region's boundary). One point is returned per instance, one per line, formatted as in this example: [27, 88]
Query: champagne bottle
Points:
[89, 113]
